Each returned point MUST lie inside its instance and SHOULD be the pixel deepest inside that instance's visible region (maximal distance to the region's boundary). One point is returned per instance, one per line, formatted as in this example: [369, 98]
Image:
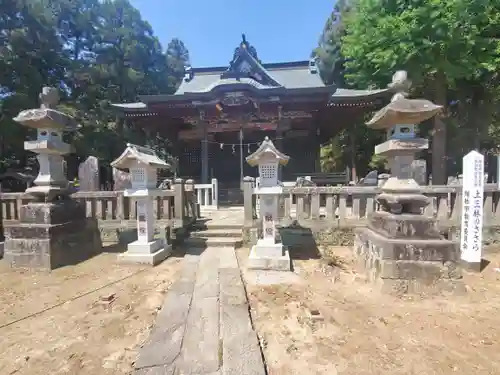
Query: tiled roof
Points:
[290, 77]
[207, 83]
[246, 69]
[348, 93]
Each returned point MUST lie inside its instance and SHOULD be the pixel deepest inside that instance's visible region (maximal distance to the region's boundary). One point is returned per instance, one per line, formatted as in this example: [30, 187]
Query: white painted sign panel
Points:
[472, 207]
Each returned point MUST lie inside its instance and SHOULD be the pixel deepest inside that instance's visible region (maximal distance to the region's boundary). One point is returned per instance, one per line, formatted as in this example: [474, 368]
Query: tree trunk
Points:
[439, 176]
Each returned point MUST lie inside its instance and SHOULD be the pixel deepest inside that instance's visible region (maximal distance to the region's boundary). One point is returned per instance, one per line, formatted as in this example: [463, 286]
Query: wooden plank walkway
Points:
[204, 326]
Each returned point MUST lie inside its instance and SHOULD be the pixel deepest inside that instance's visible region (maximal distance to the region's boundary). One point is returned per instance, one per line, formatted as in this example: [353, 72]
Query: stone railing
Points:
[349, 206]
[174, 208]
[207, 195]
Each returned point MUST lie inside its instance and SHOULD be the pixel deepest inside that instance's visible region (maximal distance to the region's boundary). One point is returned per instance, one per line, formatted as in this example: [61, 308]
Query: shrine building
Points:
[219, 115]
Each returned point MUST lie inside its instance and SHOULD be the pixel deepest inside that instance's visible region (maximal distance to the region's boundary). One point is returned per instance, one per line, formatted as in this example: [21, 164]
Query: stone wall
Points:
[302, 237]
[116, 215]
[328, 215]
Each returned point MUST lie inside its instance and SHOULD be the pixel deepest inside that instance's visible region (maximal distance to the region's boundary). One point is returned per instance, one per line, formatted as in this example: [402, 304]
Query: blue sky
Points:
[280, 30]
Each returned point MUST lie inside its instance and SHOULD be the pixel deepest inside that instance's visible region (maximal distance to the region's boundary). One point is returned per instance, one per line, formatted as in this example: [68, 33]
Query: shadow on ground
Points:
[300, 242]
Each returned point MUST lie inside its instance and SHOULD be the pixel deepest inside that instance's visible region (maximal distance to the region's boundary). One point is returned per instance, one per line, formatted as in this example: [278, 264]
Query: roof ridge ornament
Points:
[246, 64]
[188, 73]
[400, 85]
[245, 45]
[313, 67]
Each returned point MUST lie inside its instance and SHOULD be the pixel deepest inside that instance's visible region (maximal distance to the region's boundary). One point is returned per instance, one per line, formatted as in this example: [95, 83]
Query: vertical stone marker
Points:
[267, 254]
[121, 179]
[143, 165]
[88, 174]
[471, 235]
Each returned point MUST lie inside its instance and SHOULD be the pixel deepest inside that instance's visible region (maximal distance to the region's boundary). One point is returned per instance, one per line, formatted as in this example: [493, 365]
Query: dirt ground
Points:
[63, 323]
[360, 331]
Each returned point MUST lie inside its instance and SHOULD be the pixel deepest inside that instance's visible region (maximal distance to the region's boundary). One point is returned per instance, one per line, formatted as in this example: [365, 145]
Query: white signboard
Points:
[472, 207]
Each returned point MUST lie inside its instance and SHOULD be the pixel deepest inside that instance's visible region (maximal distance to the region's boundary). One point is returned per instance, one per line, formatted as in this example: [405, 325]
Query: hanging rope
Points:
[222, 144]
[233, 146]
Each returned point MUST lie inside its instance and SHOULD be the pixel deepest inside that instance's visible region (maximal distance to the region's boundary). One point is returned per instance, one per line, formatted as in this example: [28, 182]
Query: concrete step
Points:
[197, 242]
[226, 232]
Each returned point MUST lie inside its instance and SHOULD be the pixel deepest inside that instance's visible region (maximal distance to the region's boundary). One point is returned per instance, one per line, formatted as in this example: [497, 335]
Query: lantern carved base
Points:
[51, 235]
[404, 253]
[268, 256]
[152, 253]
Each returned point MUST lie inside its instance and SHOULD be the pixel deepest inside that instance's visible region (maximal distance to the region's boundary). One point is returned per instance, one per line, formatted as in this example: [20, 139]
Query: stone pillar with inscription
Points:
[53, 229]
[471, 229]
[401, 248]
[143, 164]
[268, 254]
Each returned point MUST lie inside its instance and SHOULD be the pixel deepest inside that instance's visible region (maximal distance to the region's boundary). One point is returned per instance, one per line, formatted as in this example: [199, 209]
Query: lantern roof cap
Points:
[265, 148]
[404, 111]
[134, 153]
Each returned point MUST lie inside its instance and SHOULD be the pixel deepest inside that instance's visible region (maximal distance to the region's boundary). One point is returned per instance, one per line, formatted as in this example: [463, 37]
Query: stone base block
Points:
[58, 212]
[278, 259]
[404, 226]
[400, 287]
[471, 266]
[408, 266]
[138, 247]
[370, 244]
[151, 253]
[265, 248]
[50, 246]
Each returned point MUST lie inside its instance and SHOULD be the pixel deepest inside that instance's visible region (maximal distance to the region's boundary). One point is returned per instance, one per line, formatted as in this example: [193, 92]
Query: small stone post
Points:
[248, 184]
[267, 254]
[143, 165]
[191, 210]
[215, 194]
[179, 210]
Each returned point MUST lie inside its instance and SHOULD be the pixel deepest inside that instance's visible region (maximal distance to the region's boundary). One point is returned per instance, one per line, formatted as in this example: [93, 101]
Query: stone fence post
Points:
[215, 193]
[179, 211]
[248, 185]
[191, 205]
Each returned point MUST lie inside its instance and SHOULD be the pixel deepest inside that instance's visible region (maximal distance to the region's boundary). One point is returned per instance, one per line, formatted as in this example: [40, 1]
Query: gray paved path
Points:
[204, 325]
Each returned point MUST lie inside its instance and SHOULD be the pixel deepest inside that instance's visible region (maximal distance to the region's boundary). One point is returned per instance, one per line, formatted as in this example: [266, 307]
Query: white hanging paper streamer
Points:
[221, 146]
[234, 150]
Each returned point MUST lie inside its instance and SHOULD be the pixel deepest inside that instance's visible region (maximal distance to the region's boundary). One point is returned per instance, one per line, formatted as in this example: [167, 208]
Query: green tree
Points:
[330, 59]
[177, 58]
[29, 59]
[97, 52]
[440, 43]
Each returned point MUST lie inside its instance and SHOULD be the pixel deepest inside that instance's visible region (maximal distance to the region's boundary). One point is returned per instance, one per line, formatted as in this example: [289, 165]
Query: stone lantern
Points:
[401, 246]
[50, 124]
[143, 164]
[267, 253]
[52, 231]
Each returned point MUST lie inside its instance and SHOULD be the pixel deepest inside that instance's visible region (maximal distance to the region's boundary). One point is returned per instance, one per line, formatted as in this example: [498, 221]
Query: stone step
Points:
[216, 226]
[227, 232]
[197, 242]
